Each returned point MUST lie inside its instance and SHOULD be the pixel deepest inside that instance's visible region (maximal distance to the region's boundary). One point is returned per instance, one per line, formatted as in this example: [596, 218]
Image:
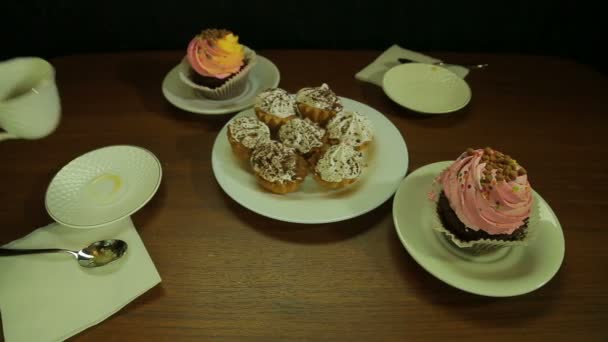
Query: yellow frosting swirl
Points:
[216, 53]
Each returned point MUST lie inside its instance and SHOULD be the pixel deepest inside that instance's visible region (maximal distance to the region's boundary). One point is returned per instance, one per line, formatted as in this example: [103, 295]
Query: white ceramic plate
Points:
[426, 88]
[507, 272]
[103, 186]
[263, 75]
[387, 164]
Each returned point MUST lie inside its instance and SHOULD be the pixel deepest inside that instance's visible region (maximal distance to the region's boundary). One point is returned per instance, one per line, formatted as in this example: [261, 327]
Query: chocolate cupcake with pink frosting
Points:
[485, 201]
[217, 65]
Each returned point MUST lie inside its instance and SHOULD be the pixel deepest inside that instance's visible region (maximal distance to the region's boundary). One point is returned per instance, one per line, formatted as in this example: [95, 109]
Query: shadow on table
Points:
[308, 233]
[146, 77]
[499, 312]
[150, 296]
[34, 212]
[197, 148]
[149, 212]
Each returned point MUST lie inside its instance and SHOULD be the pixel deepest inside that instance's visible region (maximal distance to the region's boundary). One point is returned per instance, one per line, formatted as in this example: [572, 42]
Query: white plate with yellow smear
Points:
[510, 271]
[387, 160]
[426, 88]
[103, 186]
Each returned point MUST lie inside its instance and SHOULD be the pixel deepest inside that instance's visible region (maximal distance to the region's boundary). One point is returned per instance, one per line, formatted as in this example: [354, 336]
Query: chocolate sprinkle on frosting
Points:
[351, 128]
[301, 134]
[497, 166]
[249, 131]
[340, 162]
[320, 97]
[277, 102]
[274, 162]
[214, 34]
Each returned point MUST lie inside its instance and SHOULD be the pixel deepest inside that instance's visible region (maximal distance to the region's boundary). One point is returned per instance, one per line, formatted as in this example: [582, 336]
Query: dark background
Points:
[52, 28]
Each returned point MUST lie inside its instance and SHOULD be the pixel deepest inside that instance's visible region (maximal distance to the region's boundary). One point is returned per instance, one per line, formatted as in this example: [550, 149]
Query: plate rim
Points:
[130, 213]
[452, 283]
[226, 110]
[220, 181]
[404, 66]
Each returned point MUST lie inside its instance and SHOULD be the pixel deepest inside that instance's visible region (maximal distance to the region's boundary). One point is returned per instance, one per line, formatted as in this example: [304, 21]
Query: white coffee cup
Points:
[29, 101]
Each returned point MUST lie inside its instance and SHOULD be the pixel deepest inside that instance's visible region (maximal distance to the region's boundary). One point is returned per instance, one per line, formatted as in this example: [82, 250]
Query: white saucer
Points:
[103, 186]
[262, 76]
[387, 165]
[510, 272]
[426, 88]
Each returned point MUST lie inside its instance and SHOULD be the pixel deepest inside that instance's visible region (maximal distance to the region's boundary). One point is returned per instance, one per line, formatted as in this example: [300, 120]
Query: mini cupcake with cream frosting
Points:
[319, 104]
[275, 107]
[217, 65]
[485, 201]
[304, 135]
[278, 168]
[337, 166]
[351, 128]
[245, 133]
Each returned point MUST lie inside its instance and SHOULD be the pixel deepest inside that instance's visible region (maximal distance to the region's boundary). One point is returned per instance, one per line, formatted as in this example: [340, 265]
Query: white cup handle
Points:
[6, 136]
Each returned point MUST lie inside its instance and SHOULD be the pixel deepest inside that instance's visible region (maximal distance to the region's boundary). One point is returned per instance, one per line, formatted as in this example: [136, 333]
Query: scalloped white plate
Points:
[263, 75]
[507, 272]
[387, 165]
[103, 186]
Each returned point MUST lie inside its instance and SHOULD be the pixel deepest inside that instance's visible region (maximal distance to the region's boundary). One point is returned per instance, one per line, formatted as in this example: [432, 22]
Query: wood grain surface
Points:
[230, 274]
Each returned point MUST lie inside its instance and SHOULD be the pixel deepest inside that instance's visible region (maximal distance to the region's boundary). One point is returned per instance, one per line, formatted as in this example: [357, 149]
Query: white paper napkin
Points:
[49, 297]
[374, 73]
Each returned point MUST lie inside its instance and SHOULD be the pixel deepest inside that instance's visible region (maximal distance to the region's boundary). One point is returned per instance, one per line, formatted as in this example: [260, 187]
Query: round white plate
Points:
[103, 186]
[263, 75]
[387, 164]
[507, 272]
[426, 88]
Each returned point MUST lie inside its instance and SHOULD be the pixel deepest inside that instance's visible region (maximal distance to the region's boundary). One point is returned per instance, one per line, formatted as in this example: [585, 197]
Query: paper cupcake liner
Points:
[286, 186]
[272, 121]
[232, 88]
[483, 246]
[317, 115]
[279, 188]
[333, 185]
[240, 150]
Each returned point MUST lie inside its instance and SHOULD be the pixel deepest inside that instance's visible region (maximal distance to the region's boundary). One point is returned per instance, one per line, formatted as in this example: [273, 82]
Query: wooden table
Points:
[230, 274]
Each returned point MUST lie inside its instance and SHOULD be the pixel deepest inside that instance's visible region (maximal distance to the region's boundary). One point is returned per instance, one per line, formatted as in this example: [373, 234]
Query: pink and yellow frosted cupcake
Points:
[216, 64]
[485, 201]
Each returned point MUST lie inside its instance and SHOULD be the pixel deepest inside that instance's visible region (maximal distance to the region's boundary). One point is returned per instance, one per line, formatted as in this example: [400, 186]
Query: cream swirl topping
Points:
[301, 134]
[277, 102]
[274, 162]
[320, 97]
[350, 128]
[216, 53]
[249, 131]
[488, 191]
[340, 162]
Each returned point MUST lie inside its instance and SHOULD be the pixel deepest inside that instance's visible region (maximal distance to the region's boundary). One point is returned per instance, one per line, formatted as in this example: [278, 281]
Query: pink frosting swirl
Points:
[215, 53]
[488, 191]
